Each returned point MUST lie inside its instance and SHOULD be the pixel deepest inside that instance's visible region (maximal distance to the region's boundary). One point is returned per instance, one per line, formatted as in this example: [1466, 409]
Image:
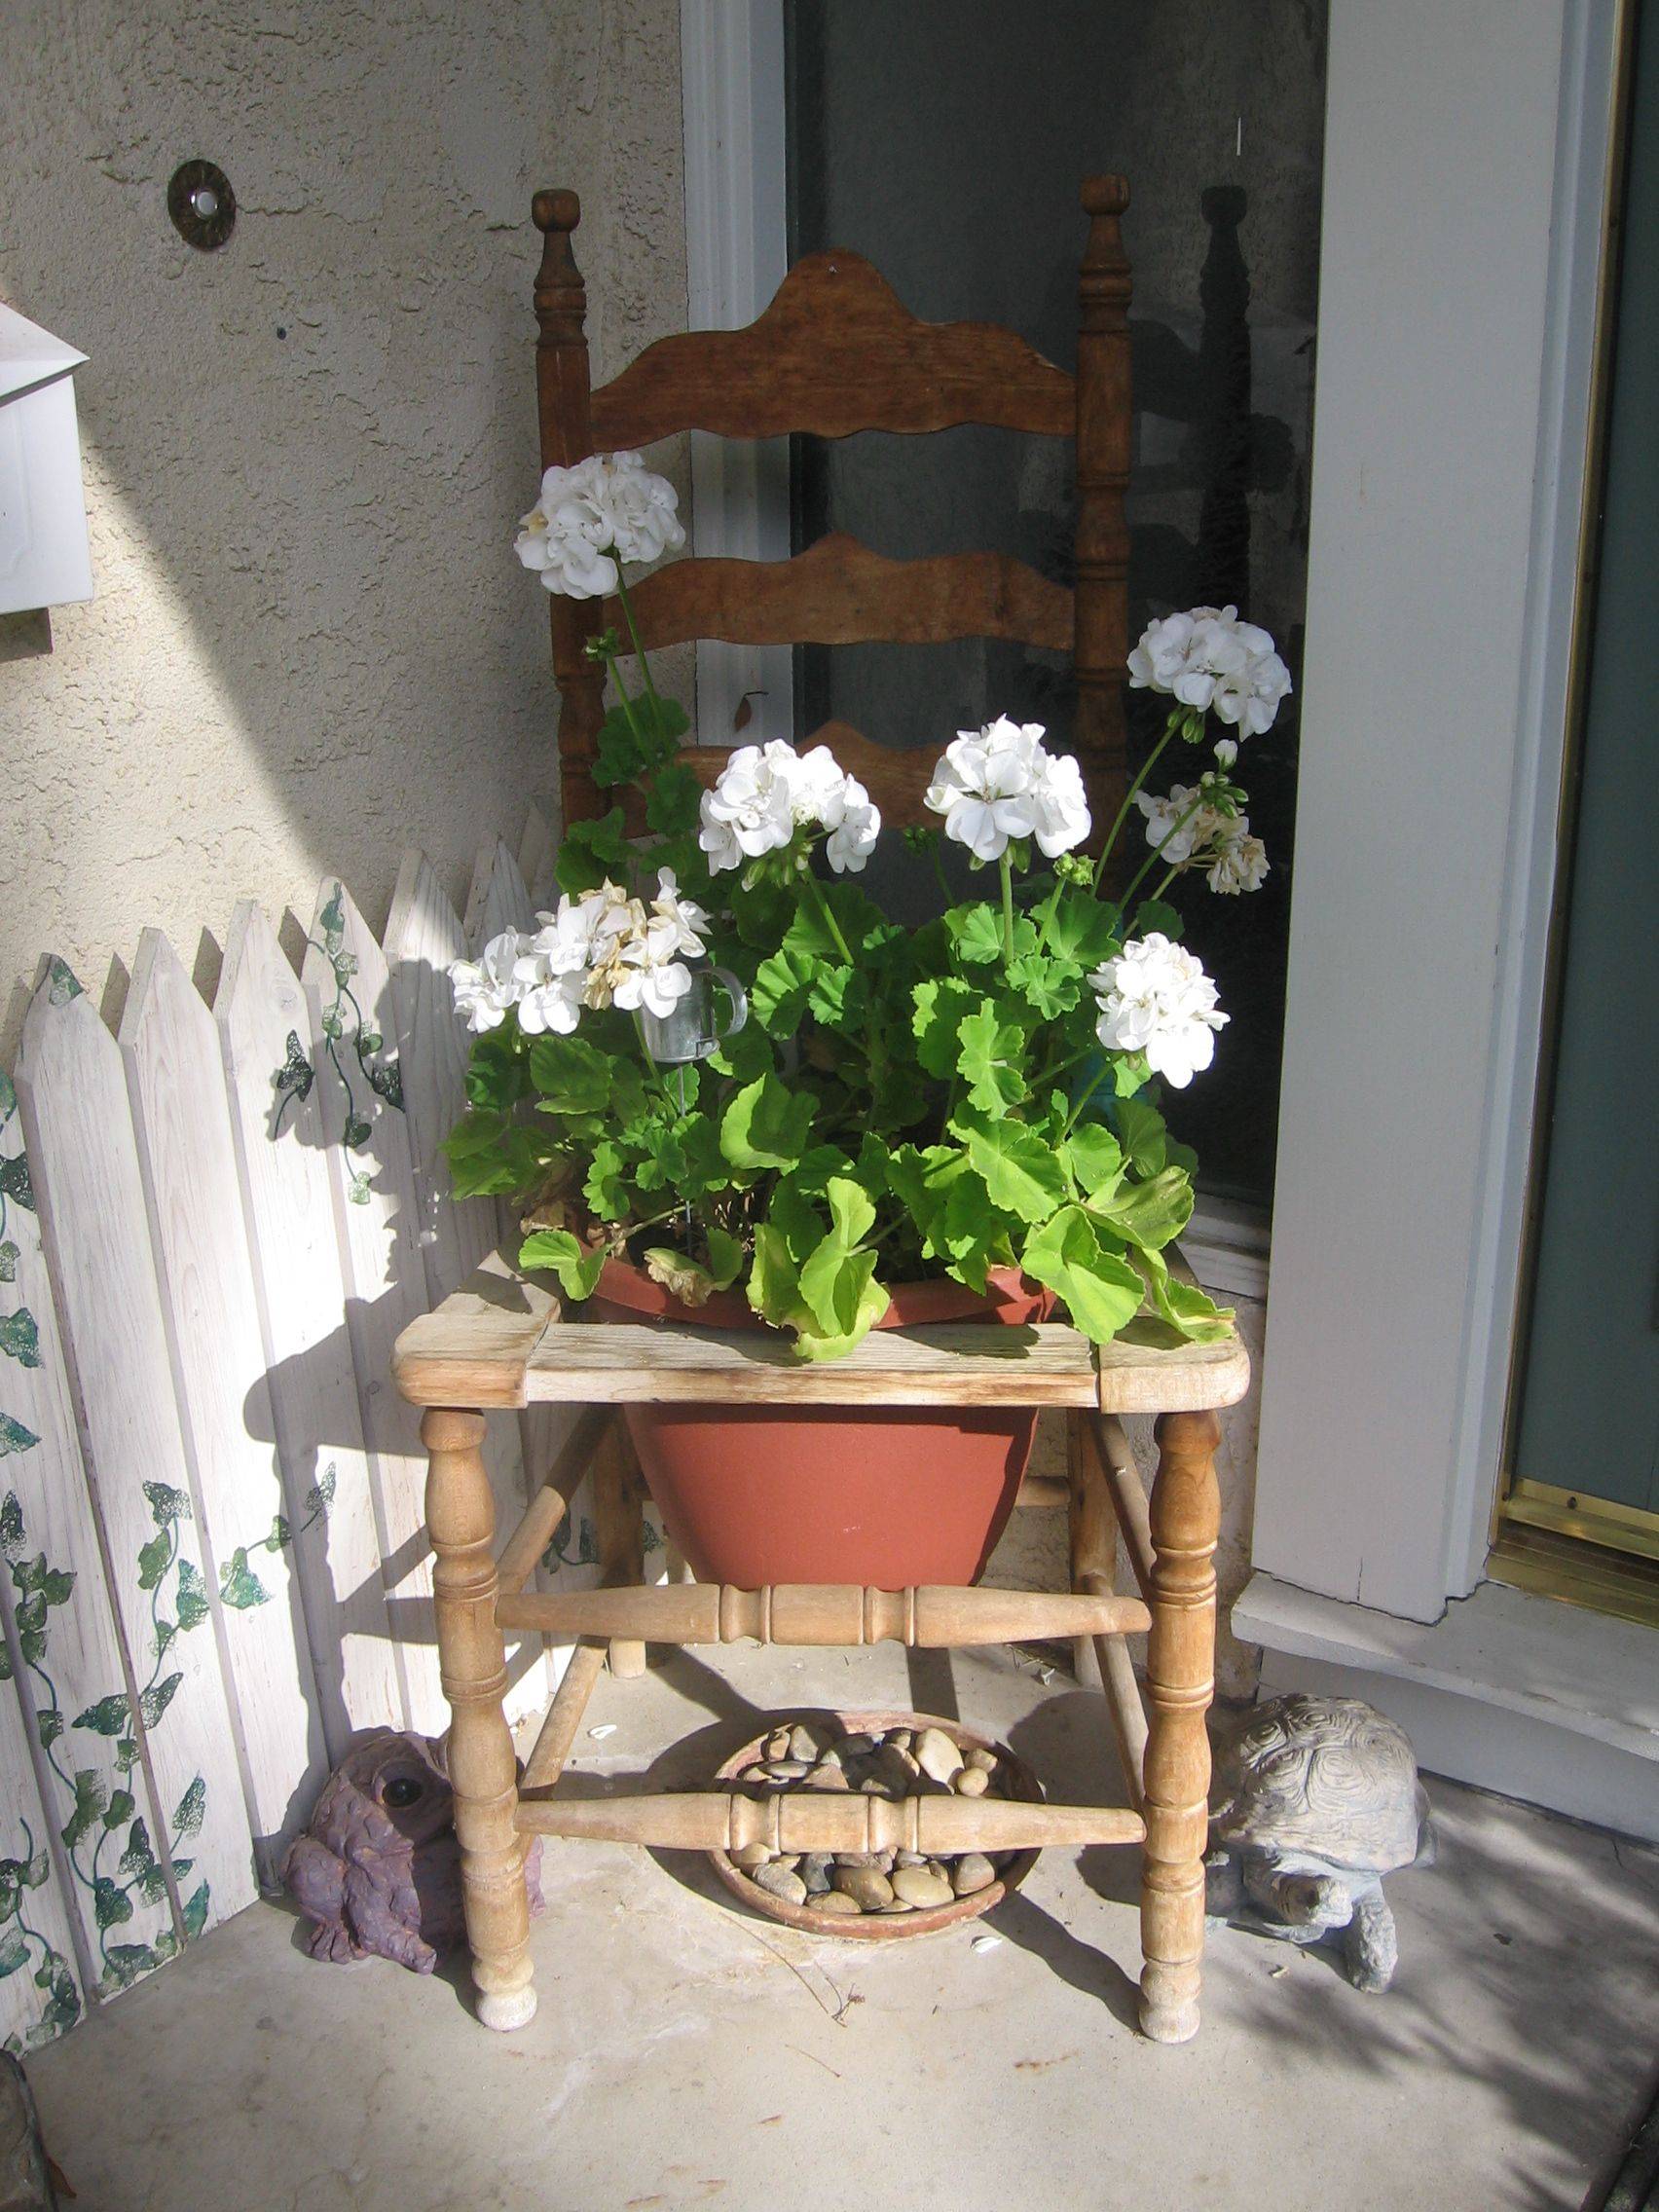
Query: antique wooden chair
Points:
[836, 353]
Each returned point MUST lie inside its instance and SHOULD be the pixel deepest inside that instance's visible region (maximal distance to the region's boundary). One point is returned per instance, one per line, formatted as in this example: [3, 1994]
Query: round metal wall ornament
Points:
[202, 205]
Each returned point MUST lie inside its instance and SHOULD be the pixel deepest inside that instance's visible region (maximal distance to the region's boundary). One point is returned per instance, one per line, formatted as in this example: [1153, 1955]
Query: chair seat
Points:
[501, 1341]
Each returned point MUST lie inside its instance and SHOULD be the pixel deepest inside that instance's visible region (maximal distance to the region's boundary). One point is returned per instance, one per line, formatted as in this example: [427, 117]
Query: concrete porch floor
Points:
[686, 2055]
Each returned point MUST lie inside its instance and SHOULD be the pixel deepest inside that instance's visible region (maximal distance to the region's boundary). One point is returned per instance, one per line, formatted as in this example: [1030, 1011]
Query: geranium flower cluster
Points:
[1189, 830]
[1208, 659]
[766, 793]
[1154, 998]
[603, 949]
[608, 508]
[1000, 784]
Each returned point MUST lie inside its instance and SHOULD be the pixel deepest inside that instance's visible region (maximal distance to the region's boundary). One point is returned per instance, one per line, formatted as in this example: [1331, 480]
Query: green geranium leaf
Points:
[778, 996]
[858, 918]
[570, 1076]
[1142, 1134]
[976, 932]
[1083, 928]
[835, 1277]
[1019, 1170]
[578, 1271]
[1050, 987]
[592, 851]
[606, 1187]
[1158, 914]
[726, 1258]
[497, 1070]
[674, 801]
[1102, 1289]
[1150, 1213]
[1130, 1073]
[767, 1124]
[941, 1004]
[1097, 1159]
[993, 1059]
[1191, 1311]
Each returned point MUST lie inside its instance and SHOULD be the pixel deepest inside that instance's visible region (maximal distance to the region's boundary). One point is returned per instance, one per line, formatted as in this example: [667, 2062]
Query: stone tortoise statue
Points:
[1314, 1799]
[378, 1870]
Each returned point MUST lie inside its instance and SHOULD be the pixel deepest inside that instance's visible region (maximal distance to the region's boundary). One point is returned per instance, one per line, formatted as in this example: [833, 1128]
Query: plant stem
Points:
[826, 917]
[1156, 853]
[1082, 1101]
[1007, 907]
[633, 633]
[1146, 766]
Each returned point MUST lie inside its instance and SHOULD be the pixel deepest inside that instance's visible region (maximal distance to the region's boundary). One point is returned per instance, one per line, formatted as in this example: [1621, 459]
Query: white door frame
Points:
[736, 254]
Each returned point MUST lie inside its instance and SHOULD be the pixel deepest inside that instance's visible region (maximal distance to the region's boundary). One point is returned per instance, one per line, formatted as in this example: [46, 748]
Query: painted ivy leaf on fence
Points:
[292, 1082]
[345, 1025]
[238, 1586]
[23, 1948]
[19, 1337]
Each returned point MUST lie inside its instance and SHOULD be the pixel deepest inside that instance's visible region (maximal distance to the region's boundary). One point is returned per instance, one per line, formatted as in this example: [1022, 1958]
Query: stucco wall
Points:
[310, 643]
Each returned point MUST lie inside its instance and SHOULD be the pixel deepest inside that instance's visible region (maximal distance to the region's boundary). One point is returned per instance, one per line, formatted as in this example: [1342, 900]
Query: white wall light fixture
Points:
[45, 559]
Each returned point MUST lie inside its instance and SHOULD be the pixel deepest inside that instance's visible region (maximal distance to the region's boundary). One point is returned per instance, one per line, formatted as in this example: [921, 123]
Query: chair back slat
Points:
[841, 593]
[837, 352]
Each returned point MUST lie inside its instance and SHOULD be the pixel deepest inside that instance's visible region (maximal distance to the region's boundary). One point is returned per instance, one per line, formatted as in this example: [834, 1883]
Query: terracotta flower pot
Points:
[887, 1496]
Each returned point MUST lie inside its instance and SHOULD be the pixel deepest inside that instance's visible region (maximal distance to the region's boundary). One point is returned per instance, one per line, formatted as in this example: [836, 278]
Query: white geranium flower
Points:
[684, 916]
[854, 822]
[998, 783]
[1060, 803]
[765, 793]
[1162, 814]
[549, 998]
[1239, 862]
[752, 808]
[1208, 658]
[650, 975]
[1154, 998]
[606, 508]
[983, 785]
[1225, 751]
[486, 988]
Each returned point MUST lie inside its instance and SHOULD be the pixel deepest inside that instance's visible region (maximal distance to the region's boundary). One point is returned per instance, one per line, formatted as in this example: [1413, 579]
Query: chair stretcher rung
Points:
[817, 1820]
[939, 1617]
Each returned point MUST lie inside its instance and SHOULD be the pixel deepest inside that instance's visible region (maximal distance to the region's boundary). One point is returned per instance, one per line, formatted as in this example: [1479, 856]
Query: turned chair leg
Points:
[619, 1528]
[1186, 1521]
[483, 1771]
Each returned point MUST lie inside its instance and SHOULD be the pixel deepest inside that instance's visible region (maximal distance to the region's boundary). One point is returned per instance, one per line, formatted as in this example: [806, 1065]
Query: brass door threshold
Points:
[1578, 1572]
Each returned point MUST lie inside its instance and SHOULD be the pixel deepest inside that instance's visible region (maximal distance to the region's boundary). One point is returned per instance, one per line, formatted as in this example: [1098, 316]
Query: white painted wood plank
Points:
[499, 902]
[377, 1217]
[264, 1021]
[187, 1155]
[71, 1676]
[40, 1982]
[538, 848]
[95, 1230]
[423, 937]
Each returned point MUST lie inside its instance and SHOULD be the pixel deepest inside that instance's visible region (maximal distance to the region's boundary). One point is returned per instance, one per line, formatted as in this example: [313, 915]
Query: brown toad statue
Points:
[378, 1870]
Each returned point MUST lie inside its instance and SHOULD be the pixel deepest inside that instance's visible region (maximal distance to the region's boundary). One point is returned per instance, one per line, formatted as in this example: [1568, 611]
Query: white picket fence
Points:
[212, 1563]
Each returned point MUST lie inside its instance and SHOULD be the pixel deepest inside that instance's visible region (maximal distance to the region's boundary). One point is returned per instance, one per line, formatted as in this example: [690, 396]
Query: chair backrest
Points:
[838, 352]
